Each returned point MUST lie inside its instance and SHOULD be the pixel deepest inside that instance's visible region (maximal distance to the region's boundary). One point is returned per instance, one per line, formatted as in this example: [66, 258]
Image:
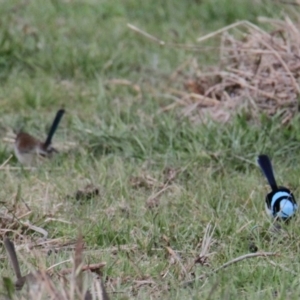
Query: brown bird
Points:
[33, 280]
[28, 149]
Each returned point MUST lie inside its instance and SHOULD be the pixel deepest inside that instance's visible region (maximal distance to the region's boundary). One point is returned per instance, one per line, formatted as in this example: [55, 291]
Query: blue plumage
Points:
[280, 202]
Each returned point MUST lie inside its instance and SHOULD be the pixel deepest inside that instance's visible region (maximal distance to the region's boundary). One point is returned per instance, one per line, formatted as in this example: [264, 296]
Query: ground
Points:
[163, 186]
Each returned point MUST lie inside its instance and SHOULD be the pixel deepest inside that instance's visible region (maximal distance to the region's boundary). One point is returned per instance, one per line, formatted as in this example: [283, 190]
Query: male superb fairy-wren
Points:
[280, 202]
[28, 149]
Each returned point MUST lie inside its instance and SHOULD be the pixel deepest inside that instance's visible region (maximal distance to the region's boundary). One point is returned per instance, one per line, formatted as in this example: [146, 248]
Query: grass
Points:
[66, 53]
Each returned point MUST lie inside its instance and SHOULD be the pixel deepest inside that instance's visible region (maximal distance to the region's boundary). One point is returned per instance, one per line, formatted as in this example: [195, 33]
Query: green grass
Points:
[65, 53]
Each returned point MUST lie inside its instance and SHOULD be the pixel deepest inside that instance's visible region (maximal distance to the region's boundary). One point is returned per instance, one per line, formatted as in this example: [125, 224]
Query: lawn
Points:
[166, 187]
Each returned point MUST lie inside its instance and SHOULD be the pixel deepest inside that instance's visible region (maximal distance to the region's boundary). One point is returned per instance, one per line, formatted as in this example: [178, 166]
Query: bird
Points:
[280, 202]
[32, 279]
[28, 149]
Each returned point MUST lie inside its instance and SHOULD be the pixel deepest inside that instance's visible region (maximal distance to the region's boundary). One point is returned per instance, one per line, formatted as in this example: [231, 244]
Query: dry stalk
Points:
[258, 72]
[238, 259]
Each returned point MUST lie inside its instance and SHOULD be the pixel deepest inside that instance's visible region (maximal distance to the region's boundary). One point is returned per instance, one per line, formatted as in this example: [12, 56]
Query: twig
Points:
[58, 264]
[240, 258]
[208, 36]
[57, 220]
[9, 168]
[166, 187]
[207, 100]
[163, 43]
[35, 228]
[5, 162]
[151, 37]
[91, 267]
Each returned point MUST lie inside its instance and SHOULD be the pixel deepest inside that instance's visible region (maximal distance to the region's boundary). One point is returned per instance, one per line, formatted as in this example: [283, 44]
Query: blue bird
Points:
[280, 202]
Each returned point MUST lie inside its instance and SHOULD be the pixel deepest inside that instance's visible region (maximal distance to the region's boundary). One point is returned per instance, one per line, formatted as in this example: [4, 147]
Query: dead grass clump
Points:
[258, 72]
[72, 283]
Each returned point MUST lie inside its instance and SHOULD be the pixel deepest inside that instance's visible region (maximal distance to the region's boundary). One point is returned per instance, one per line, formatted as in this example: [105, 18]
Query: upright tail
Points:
[10, 248]
[266, 166]
[54, 126]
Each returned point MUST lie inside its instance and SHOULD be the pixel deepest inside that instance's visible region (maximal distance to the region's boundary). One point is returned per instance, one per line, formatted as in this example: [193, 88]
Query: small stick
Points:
[35, 228]
[151, 37]
[163, 43]
[158, 193]
[240, 258]
[91, 267]
[60, 263]
[205, 37]
[5, 162]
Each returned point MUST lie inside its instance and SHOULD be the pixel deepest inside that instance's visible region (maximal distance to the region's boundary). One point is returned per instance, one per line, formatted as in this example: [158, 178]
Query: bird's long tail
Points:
[10, 248]
[54, 126]
[266, 166]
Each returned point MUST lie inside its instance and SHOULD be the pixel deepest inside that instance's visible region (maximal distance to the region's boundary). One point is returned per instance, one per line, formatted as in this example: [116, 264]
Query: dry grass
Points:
[258, 72]
[164, 205]
[77, 282]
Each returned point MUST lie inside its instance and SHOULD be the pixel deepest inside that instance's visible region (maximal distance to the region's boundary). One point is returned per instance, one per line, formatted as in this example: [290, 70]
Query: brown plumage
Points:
[28, 149]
